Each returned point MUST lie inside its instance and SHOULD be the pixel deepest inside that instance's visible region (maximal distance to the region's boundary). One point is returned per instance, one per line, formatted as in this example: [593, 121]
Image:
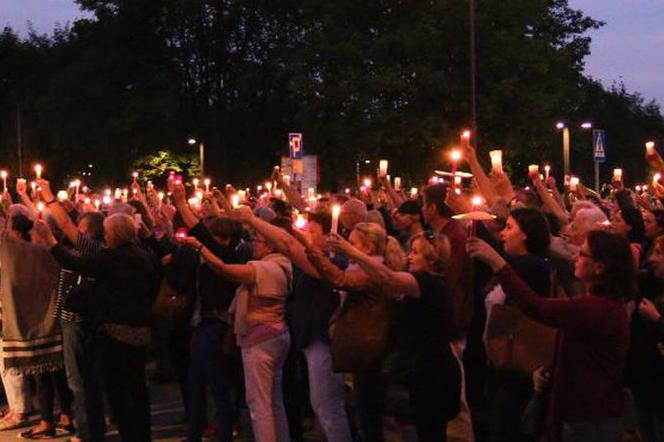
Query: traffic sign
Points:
[599, 145]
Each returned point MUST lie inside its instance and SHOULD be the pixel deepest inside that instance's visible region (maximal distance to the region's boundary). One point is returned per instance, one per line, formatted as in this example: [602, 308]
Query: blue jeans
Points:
[209, 367]
[607, 430]
[81, 364]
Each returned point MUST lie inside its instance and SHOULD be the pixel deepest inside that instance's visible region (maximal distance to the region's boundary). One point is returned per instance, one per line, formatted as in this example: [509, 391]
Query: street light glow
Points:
[560, 125]
[191, 141]
[587, 125]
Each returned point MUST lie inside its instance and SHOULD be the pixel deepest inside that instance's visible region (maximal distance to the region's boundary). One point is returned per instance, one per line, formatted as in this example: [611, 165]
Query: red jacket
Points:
[592, 350]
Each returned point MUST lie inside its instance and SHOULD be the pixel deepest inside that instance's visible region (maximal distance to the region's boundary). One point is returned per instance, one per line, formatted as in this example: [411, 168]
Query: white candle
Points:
[287, 180]
[533, 170]
[62, 195]
[547, 171]
[40, 208]
[38, 170]
[573, 183]
[235, 201]
[656, 177]
[207, 185]
[413, 192]
[617, 174]
[3, 174]
[496, 160]
[135, 176]
[336, 210]
[397, 183]
[382, 168]
[311, 193]
[195, 182]
[650, 148]
[242, 194]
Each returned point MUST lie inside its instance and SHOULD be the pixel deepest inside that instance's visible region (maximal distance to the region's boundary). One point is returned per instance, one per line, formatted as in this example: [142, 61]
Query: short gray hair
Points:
[123, 227]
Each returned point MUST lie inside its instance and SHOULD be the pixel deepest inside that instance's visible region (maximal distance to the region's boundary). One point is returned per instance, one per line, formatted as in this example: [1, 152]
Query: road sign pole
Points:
[597, 177]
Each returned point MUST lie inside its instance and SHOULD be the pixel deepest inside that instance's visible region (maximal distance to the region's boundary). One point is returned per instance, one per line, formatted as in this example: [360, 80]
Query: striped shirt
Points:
[68, 280]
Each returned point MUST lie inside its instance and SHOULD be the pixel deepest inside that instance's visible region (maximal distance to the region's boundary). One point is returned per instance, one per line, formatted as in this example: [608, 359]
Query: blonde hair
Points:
[384, 245]
[122, 227]
[436, 250]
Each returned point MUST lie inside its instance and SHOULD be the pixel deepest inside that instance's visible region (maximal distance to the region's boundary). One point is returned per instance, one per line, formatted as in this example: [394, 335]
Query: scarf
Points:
[32, 342]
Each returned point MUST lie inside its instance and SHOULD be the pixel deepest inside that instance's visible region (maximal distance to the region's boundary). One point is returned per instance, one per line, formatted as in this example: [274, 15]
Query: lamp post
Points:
[201, 147]
[561, 126]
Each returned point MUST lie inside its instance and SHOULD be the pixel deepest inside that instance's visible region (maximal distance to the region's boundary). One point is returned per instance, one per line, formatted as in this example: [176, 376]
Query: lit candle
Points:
[644, 187]
[107, 200]
[367, 183]
[496, 161]
[97, 204]
[118, 193]
[382, 168]
[347, 191]
[3, 174]
[195, 182]
[235, 201]
[638, 188]
[336, 210]
[33, 186]
[268, 186]
[457, 181]
[287, 180]
[62, 195]
[160, 197]
[135, 176]
[77, 184]
[573, 183]
[311, 193]
[465, 139]
[125, 193]
[38, 170]
[242, 194]
[300, 221]
[617, 174]
[206, 181]
[278, 193]
[40, 209]
[476, 202]
[397, 183]
[547, 171]
[456, 156]
[194, 202]
[413, 192]
[533, 170]
[656, 177]
[650, 148]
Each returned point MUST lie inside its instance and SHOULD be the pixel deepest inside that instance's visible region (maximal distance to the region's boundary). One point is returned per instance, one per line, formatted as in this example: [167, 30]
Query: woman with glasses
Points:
[586, 392]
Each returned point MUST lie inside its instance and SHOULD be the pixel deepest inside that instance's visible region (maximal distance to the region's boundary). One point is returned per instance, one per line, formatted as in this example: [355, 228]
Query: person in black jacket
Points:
[126, 284]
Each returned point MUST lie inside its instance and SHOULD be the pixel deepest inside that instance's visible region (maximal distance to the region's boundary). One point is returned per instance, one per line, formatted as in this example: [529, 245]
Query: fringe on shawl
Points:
[33, 356]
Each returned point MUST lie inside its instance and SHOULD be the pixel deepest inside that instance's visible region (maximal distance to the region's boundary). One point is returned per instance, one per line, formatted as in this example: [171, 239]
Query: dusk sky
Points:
[630, 47]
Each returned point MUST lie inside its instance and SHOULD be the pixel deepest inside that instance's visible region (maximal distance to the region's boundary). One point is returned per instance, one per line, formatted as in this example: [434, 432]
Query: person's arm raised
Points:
[61, 216]
[482, 180]
[242, 273]
[394, 282]
[180, 199]
[282, 241]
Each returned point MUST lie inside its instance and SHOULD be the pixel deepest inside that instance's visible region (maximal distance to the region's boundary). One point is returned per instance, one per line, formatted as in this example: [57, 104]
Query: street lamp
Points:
[561, 126]
[201, 147]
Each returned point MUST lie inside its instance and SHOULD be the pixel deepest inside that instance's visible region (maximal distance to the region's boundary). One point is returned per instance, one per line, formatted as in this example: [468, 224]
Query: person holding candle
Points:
[210, 367]
[260, 329]
[126, 284]
[586, 388]
[312, 306]
[425, 328]
[360, 330]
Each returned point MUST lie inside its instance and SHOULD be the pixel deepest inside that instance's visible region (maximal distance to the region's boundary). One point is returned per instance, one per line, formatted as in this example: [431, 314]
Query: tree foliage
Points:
[384, 78]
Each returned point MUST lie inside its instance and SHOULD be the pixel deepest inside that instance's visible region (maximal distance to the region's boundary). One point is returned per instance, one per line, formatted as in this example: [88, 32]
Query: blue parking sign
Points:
[599, 146]
[295, 145]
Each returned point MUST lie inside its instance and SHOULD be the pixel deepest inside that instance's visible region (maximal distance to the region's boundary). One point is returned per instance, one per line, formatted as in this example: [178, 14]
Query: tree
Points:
[155, 167]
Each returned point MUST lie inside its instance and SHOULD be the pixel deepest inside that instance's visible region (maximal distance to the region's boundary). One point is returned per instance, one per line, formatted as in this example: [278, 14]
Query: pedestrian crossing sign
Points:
[599, 146]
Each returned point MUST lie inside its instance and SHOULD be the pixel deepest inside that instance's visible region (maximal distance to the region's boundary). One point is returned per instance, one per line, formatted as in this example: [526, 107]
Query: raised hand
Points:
[339, 244]
[44, 188]
[479, 249]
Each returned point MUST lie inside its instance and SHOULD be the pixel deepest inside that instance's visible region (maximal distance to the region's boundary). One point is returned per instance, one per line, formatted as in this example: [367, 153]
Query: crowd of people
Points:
[282, 302]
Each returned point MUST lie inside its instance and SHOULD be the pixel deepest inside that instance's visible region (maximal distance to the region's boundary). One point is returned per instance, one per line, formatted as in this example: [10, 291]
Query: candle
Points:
[413, 192]
[656, 177]
[367, 183]
[533, 170]
[465, 139]
[268, 186]
[235, 201]
[40, 209]
[160, 197]
[650, 148]
[194, 202]
[547, 171]
[336, 210]
[33, 186]
[118, 193]
[38, 170]
[278, 193]
[107, 200]
[311, 193]
[300, 221]
[62, 195]
[3, 174]
[135, 176]
[97, 204]
[573, 183]
[476, 202]
[242, 194]
[617, 174]
[125, 193]
[382, 168]
[638, 188]
[496, 161]
[397, 183]
[456, 156]
[287, 180]
[207, 185]
[347, 190]
[77, 184]
[457, 181]
[195, 182]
